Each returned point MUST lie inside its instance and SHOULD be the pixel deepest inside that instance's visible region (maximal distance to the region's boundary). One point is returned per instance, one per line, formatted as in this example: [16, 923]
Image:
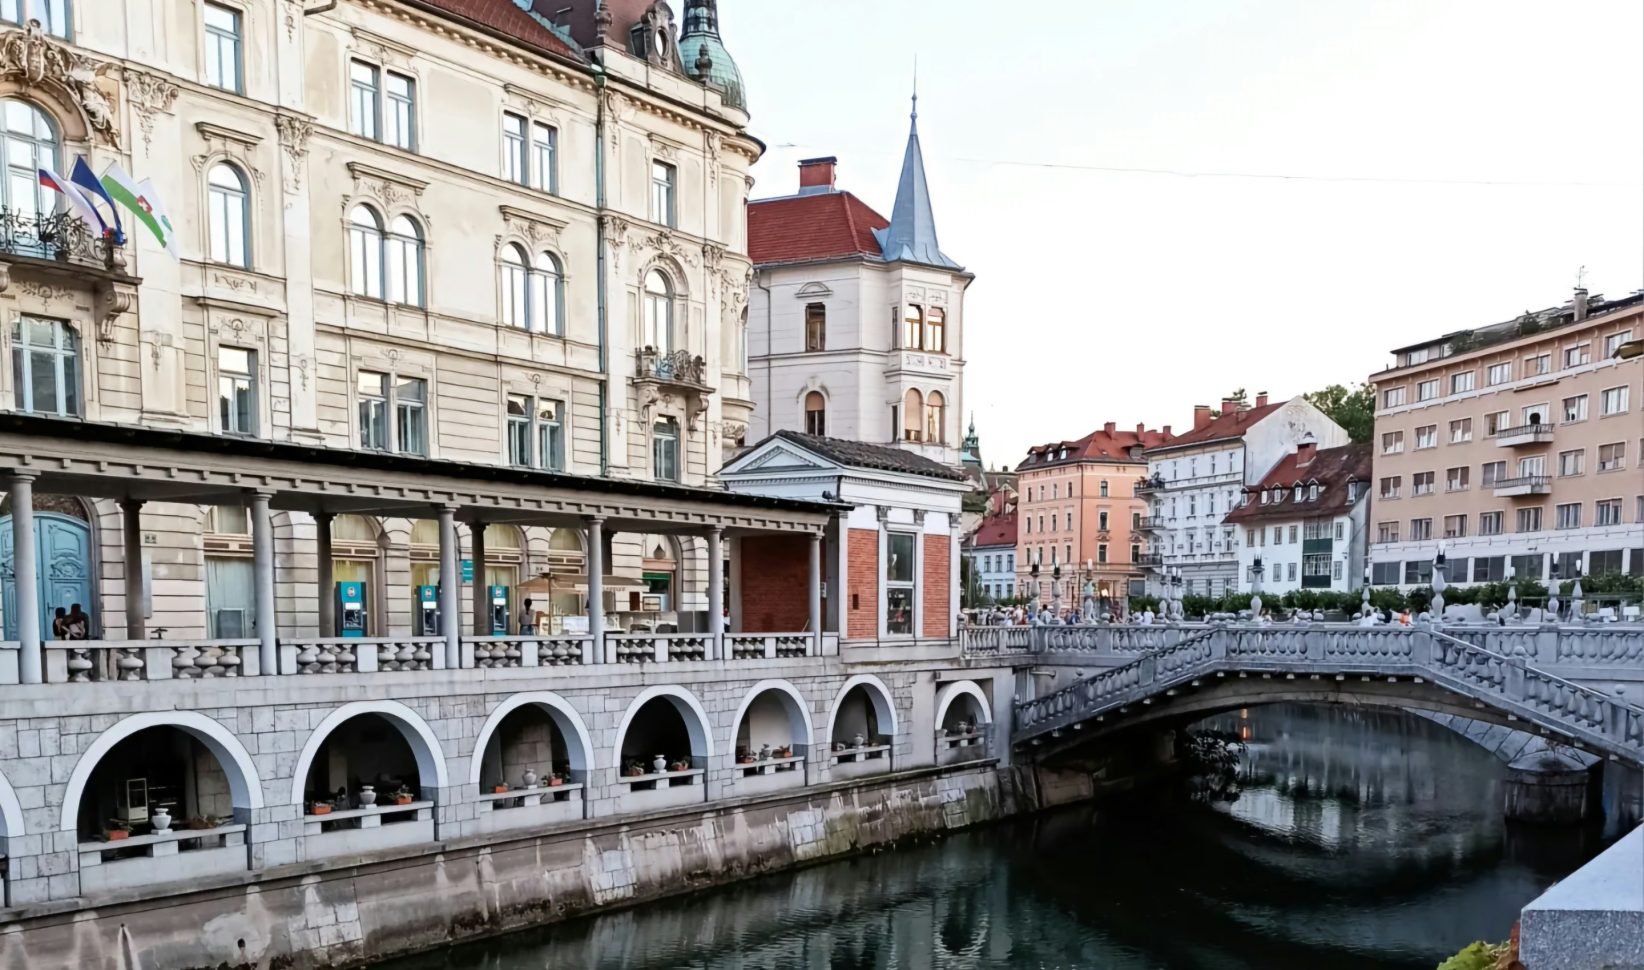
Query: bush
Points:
[1476, 956]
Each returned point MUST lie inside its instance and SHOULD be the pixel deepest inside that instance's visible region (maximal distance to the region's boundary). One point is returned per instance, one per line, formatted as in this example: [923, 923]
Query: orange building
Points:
[1077, 509]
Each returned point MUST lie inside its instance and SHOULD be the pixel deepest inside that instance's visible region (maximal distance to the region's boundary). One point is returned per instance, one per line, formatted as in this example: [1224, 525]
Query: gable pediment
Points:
[777, 457]
[813, 291]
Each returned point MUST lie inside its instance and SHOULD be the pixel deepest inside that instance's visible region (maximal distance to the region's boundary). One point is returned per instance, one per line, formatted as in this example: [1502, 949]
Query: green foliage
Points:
[1476, 956]
[1140, 603]
[1354, 408]
[1609, 584]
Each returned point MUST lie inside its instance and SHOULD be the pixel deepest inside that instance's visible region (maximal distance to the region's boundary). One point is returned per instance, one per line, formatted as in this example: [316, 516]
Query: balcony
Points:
[1524, 434]
[1149, 523]
[1150, 560]
[1147, 486]
[676, 374]
[1523, 485]
[60, 249]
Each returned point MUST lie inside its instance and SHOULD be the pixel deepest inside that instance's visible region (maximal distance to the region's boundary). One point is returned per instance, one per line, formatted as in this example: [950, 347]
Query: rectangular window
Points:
[1575, 408]
[1489, 569]
[237, 390]
[520, 408]
[665, 450]
[1317, 564]
[399, 112]
[1455, 526]
[1290, 572]
[1529, 520]
[1384, 573]
[1315, 529]
[1607, 512]
[1387, 532]
[1538, 365]
[1427, 436]
[545, 157]
[1421, 483]
[936, 332]
[1491, 472]
[1418, 572]
[816, 327]
[1101, 521]
[1497, 422]
[901, 582]
[1604, 562]
[1572, 462]
[1455, 479]
[222, 48]
[1101, 552]
[1614, 401]
[1293, 535]
[1427, 390]
[1393, 397]
[1463, 382]
[1392, 442]
[1390, 486]
[1461, 431]
[1335, 570]
[1614, 341]
[364, 93]
[1568, 516]
[1489, 523]
[551, 435]
[1421, 529]
[913, 326]
[663, 184]
[371, 389]
[1135, 552]
[1532, 466]
[1612, 457]
[1578, 355]
[1498, 374]
[1527, 567]
[516, 167]
[411, 415]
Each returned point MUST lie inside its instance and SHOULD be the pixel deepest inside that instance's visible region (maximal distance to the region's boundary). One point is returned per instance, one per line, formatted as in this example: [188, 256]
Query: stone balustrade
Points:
[175, 855]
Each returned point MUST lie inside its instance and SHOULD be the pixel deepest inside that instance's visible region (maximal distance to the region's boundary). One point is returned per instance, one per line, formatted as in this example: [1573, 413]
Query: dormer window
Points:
[1298, 492]
[1313, 492]
[1264, 498]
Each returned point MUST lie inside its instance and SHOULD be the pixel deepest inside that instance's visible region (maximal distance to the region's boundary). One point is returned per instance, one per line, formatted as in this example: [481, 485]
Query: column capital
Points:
[715, 529]
[131, 503]
[324, 516]
[12, 475]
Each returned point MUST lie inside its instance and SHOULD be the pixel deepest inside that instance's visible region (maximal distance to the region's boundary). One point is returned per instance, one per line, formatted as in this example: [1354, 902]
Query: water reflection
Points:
[1361, 840]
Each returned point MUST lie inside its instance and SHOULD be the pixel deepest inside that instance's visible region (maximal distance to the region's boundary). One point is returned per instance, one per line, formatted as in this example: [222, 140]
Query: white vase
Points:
[368, 796]
[660, 764]
[160, 819]
[529, 779]
[859, 741]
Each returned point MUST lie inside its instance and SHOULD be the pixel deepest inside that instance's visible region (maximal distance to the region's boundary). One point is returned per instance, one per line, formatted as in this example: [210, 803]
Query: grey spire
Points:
[911, 235]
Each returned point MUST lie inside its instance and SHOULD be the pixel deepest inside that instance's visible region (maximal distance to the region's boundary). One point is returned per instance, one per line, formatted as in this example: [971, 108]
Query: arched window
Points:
[228, 208]
[816, 413]
[913, 326]
[365, 251]
[403, 257]
[936, 333]
[913, 415]
[28, 140]
[45, 366]
[935, 417]
[548, 310]
[516, 300]
[659, 313]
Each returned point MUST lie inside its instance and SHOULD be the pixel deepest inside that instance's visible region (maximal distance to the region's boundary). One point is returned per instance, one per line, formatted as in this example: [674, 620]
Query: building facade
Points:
[857, 322]
[1079, 512]
[1516, 446]
[1304, 522]
[992, 555]
[1195, 479]
[450, 231]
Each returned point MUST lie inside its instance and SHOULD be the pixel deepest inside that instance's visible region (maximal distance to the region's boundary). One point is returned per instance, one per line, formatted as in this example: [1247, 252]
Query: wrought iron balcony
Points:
[1524, 434]
[1151, 560]
[1523, 485]
[57, 237]
[678, 367]
[1148, 523]
[1146, 486]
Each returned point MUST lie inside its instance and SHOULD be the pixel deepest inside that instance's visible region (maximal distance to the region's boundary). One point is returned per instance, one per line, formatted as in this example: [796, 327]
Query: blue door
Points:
[63, 558]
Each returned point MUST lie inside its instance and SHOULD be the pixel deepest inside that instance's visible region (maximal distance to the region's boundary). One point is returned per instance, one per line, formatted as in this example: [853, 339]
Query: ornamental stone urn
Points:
[160, 819]
[660, 764]
[765, 752]
[859, 741]
[368, 796]
[529, 779]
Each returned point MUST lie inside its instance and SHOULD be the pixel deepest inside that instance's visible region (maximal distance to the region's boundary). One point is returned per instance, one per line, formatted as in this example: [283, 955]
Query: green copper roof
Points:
[705, 56]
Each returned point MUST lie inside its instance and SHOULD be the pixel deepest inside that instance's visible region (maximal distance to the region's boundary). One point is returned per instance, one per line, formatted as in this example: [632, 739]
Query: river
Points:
[1360, 839]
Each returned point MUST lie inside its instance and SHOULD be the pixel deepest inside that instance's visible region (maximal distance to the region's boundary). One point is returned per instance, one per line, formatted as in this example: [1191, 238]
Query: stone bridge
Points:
[1575, 685]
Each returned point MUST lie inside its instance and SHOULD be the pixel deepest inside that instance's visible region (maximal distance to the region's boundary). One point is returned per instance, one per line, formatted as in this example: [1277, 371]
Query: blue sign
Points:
[468, 570]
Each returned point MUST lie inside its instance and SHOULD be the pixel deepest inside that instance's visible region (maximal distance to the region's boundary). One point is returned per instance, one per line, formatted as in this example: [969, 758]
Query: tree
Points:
[1354, 408]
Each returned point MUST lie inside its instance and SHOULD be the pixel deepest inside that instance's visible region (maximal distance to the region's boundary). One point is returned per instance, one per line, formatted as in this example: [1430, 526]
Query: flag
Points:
[78, 204]
[141, 200]
[82, 177]
[146, 186]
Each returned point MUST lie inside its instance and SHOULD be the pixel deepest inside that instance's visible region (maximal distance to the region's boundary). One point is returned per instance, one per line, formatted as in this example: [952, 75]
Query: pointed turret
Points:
[911, 235]
[704, 55]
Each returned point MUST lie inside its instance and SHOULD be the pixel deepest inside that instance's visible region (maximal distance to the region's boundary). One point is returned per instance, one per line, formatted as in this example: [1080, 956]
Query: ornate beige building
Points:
[453, 229]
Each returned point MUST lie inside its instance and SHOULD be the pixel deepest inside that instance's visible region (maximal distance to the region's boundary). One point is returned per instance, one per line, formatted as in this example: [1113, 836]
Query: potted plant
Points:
[117, 830]
[838, 746]
[320, 808]
[402, 796]
[555, 780]
[782, 752]
[634, 769]
[499, 789]
[679, 766]
[744, 757]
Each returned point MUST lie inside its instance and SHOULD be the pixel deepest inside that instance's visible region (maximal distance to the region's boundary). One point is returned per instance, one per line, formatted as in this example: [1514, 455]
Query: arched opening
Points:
[555, 593]
[662, 749]
[816, 413]
[659, 601]
[532, 763]
[11, 826]
[30, 141]
[936, 423]
[365, 252]
[403, 253]
[65, 562]
[964, 722]
[368, 777]
[862, 728]
[160, 798]
[228, 215]
[425, 577]
[913, 415]
[504, 562]
[657, 327]
[772, 738]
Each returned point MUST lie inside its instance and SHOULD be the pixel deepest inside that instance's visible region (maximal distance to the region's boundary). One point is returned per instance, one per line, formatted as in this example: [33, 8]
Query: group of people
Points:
[73, 623]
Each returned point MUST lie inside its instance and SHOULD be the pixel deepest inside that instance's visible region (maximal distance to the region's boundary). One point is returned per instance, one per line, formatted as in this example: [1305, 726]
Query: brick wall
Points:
[776, 584]
[938, 587]
[862, 584]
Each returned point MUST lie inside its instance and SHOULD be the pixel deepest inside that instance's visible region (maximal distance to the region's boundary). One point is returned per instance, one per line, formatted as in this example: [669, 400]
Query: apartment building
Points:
[1078, 509]
[1516, 445]
[1306, 521]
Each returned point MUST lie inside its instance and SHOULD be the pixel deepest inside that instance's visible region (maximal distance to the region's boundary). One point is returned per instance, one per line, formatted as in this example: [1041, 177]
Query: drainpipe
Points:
[599, 248]
[769, 404]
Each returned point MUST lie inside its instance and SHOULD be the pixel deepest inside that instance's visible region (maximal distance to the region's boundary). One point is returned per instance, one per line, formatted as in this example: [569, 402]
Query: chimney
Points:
[1580, 303]
[1261, 399]
[1141, 429]
[1201, 415]
[1229, 406]
[1110, 427]
[1306, 451]
[1166, 431]
[816, 175]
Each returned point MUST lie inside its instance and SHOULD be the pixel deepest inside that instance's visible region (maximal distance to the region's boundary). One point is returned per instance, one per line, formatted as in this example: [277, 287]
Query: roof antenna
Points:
[1581, 273]
[916, 90]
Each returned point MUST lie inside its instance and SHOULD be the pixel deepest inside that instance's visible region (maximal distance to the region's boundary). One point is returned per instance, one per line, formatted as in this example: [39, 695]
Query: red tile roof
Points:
[801, 228]
[1332, 468]
[997, 530]
[1232, 425]
[502, 16]
[1100, 445]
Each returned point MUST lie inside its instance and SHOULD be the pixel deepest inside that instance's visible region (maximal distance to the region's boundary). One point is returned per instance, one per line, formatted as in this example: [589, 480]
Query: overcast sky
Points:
[1461, 159]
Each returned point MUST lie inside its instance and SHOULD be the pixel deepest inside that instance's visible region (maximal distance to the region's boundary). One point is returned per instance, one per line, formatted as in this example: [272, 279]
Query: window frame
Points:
[664, 196]
[49, 23]
[250, 378]
[214, 38]
[910, 585]
[220, 205]
[665, 429]
[816, 327]
[68, 362]
[392, 412]
[1623, 397]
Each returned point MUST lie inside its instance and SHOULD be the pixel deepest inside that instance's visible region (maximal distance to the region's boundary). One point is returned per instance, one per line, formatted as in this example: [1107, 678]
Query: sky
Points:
[1165, 200]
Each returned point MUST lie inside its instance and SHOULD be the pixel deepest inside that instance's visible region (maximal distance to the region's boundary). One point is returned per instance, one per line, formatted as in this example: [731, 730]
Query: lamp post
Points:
[1176, 594]
[1364, 595]
[1552, 591]
[1512, 594]
[1033, 587]
[1439, 586]
[1089, 591]
[1056, 591]
[1256, 589]
[1575, 591]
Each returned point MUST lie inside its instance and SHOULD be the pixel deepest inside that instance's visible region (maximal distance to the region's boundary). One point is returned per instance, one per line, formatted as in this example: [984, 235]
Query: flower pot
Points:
[321, 809]
[765, 753]
[635, 772]
[160, 819]
[839, 745]
[499, 789]
[529, 779]
[117, 835]
[402, 799]
[746, 759]
[368, 796]
[554, 781]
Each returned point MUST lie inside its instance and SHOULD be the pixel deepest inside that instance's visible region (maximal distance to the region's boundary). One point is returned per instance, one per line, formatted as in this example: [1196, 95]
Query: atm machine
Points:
[428, 611]
[351, 609]
[499, 611]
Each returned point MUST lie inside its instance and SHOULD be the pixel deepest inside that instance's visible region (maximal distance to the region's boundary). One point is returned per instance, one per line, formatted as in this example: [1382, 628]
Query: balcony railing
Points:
[1148, 523]
[1146, 486]
[678, 367]
[1524, 434]
[1150, 559]
[1523, 485]
[59, 237]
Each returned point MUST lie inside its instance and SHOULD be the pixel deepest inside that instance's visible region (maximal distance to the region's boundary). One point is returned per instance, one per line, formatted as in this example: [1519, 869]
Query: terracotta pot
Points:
[118, 835]
[402, 799]
[321, 810]
[499, 789]
[555, 781]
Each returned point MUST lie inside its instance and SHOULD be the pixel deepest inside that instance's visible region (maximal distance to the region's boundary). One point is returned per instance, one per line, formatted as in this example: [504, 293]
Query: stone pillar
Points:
[736, 585]
[955, 577]
[262, 557]
[816, 591]
[30, 666]
[481, 594]
[326, 583]
[716, 582]
[131, 527]
[838, 576]
[596, 582]
[450, 589]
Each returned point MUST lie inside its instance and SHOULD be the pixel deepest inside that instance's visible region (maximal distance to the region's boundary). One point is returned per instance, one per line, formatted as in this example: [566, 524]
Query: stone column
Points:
[955, 577]
[326, 581]
[450, 589]
[716, 582]
[30, 666]
[131, 527]
[595, 537]
[481, 594]
[816, 591]
[262, 558]
[838, 576]
[736, 585]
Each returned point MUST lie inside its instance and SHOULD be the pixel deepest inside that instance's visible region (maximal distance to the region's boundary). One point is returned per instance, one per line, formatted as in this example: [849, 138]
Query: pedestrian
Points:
[527, 620]
[59, 625]
[77, 624]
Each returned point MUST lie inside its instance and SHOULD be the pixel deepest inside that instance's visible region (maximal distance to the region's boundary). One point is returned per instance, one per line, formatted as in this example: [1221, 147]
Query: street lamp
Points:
[1628, 350]
[1364, 595]
[1033, 587]
[1512, 594]
[1439, 586]
[1575, 591]
[1256, 589]
[1056, 590]
[1552, 590]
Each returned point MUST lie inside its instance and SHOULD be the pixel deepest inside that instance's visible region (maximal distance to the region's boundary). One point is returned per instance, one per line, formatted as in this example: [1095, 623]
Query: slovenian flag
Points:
[76, 199]
[83, 178]
[143, 202]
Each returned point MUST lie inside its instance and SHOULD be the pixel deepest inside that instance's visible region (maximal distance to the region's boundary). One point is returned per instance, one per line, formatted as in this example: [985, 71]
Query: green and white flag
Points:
[143, 202]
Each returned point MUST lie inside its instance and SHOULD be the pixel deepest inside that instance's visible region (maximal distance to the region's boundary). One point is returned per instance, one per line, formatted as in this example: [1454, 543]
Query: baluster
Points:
[182, 662]
[79, 665]
[307, 659]
[130, 663]
[388, 656]
[347, 662]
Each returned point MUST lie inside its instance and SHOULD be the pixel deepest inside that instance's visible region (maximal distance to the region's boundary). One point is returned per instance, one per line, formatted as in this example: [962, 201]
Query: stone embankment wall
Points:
[346, 913]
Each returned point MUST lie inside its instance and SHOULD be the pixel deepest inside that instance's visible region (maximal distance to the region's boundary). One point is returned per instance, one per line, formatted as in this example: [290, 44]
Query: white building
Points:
[992, 555]
[1305, 521]
[1196, 480]
[855, 321]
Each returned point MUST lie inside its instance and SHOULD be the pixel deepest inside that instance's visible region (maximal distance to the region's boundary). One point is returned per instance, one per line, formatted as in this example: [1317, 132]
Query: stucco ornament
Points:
[30, 56]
